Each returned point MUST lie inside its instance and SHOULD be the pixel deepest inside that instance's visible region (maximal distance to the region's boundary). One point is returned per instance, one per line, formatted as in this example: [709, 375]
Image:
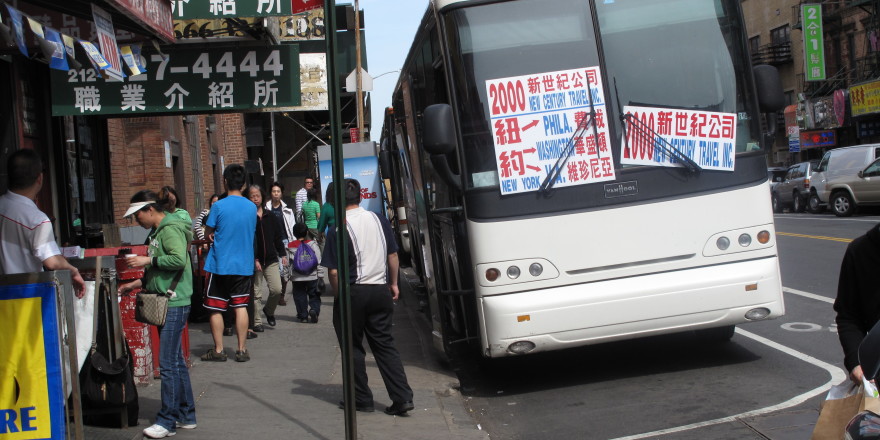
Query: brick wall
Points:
[137, 156]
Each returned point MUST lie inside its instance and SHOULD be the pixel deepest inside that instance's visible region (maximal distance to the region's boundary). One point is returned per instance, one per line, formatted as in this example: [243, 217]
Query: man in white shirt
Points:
[27, 240]
[302, 197]
[373, 272]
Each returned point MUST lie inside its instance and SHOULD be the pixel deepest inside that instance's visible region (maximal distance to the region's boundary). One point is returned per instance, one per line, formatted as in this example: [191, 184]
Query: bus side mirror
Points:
[769, 87]
[385, 163]
[439, 129]
[439, 140]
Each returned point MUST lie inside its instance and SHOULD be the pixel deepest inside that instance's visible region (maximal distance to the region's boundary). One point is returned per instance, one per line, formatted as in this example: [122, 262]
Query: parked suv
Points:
[794, 189]
[846, 178]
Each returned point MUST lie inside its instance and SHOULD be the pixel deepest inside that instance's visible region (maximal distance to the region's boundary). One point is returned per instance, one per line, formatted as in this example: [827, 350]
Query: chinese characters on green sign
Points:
[814, 45]
[254, 78]
[195, 9]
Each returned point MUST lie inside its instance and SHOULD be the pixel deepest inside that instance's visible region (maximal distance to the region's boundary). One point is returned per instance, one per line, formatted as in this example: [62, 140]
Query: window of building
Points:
[780, 35]
[754, 44]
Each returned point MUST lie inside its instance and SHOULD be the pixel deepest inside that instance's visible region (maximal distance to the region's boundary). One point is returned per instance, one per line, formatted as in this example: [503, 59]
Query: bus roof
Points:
[440, 4]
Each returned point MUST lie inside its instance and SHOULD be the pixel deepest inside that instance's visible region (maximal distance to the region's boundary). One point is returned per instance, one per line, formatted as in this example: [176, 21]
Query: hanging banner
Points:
[535, 120]
[107, 42]
[254, 78]
[31, 388]
[17, 29]
[59, 57]
[814, 42]
[707, 138]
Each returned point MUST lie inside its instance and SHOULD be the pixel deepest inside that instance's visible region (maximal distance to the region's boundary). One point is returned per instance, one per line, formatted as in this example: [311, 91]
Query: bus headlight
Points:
[521, 347]
[525, 270]
[513, 272]
[536, 269]
[751, 239]
[757, 314]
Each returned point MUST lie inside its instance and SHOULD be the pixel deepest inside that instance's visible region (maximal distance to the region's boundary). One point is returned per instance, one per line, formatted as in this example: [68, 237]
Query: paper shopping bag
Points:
[844, 401]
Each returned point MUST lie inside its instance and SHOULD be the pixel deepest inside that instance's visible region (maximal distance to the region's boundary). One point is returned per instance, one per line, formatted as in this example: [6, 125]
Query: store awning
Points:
[151, 18]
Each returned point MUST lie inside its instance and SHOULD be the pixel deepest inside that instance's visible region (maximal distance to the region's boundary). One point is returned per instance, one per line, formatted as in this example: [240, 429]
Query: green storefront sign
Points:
[239, 79]
[196, 9]
[814, 44]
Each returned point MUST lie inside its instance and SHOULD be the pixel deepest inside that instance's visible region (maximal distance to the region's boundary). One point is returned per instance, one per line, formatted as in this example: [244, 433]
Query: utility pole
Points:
[344, 301]
[360, 91]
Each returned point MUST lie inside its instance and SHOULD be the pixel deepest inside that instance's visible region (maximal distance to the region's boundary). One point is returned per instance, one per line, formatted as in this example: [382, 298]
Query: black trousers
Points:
[372, 309]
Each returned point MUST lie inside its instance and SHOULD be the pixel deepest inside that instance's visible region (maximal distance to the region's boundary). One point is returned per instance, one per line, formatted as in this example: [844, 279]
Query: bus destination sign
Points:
[707, 138]
[535, 121]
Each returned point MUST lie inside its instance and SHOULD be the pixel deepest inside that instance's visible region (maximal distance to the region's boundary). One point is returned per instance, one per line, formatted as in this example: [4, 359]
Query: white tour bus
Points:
[572, 172]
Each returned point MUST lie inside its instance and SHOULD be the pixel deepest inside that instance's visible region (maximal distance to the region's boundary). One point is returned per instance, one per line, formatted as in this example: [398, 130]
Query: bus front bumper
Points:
[633, 307]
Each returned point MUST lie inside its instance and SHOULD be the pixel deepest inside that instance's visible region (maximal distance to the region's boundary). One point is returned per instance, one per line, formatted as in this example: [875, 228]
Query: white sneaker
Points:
[185, 425]
[158, 431]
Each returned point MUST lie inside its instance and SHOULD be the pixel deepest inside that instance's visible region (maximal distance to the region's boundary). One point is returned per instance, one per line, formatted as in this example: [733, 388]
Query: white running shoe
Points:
[185, 425]
[158, 431]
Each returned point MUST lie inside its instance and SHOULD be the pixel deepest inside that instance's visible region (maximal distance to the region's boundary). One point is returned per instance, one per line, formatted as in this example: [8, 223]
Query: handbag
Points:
[152, 308]
[107, 388]
[844, 401]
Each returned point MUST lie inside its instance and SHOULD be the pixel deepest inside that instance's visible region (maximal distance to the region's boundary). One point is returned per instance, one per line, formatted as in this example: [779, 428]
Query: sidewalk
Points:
[292, 384]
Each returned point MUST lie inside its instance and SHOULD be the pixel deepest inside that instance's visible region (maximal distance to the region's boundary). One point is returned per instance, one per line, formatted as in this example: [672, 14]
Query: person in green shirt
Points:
[328, 215]
[167, 260]
[312, 212]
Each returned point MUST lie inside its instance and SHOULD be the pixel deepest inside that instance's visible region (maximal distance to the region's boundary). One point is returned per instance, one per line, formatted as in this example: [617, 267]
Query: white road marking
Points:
[808, 295]
[837, 375]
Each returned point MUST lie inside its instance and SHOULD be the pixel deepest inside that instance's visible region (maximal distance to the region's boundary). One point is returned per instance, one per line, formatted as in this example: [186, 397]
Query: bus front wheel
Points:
[716, 334]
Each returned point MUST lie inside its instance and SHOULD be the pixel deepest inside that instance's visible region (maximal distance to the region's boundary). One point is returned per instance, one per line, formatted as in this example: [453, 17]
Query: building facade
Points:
[835, 110]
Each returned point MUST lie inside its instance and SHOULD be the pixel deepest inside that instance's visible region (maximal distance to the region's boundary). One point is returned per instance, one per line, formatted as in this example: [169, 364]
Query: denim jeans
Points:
[178, 404]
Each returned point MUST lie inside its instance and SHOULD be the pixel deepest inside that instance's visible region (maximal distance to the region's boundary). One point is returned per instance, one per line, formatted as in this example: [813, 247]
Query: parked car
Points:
[846, 178]
[776, 174]
[794, 190]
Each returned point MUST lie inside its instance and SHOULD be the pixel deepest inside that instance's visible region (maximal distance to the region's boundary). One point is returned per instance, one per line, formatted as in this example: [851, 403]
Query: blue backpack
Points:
[304, 259]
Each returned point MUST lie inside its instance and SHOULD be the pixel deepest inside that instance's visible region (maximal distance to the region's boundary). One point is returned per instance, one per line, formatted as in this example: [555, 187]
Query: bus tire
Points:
[716, 334]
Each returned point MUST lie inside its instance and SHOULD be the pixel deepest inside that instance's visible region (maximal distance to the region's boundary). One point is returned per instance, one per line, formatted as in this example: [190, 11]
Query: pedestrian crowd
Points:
[253, 243]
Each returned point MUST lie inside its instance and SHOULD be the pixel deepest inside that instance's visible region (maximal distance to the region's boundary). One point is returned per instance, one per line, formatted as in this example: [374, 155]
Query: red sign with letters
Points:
[155, 15]
[299, 6]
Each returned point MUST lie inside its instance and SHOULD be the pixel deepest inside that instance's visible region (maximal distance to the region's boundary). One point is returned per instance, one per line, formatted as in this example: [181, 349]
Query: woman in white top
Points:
[286, 218]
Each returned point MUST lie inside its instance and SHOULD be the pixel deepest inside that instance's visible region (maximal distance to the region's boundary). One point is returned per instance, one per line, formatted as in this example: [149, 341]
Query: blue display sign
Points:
[818, 138]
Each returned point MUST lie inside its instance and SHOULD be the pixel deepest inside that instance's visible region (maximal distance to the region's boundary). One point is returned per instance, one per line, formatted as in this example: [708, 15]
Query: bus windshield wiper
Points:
[584, 125]
[658, 142]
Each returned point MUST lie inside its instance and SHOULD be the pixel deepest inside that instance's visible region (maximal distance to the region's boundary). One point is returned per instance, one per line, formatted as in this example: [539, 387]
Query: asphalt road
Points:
[767, 383]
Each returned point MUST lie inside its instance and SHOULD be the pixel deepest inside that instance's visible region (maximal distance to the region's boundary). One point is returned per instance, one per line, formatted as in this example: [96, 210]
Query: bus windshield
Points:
[667, 54]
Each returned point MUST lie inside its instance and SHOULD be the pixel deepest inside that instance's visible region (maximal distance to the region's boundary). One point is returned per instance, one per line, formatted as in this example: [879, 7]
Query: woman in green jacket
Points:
[168, 258]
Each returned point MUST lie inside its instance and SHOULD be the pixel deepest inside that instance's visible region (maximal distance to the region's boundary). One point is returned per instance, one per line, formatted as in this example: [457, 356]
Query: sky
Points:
[390, 26]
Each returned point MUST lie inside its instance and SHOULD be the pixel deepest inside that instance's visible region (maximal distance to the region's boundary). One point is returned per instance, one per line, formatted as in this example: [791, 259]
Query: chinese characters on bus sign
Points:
[255, 78]
[814, 45]
[707, 138]
[535, 118]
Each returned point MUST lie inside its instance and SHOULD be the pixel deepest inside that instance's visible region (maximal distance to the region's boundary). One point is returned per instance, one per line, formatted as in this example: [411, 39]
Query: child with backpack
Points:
[305, 255]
